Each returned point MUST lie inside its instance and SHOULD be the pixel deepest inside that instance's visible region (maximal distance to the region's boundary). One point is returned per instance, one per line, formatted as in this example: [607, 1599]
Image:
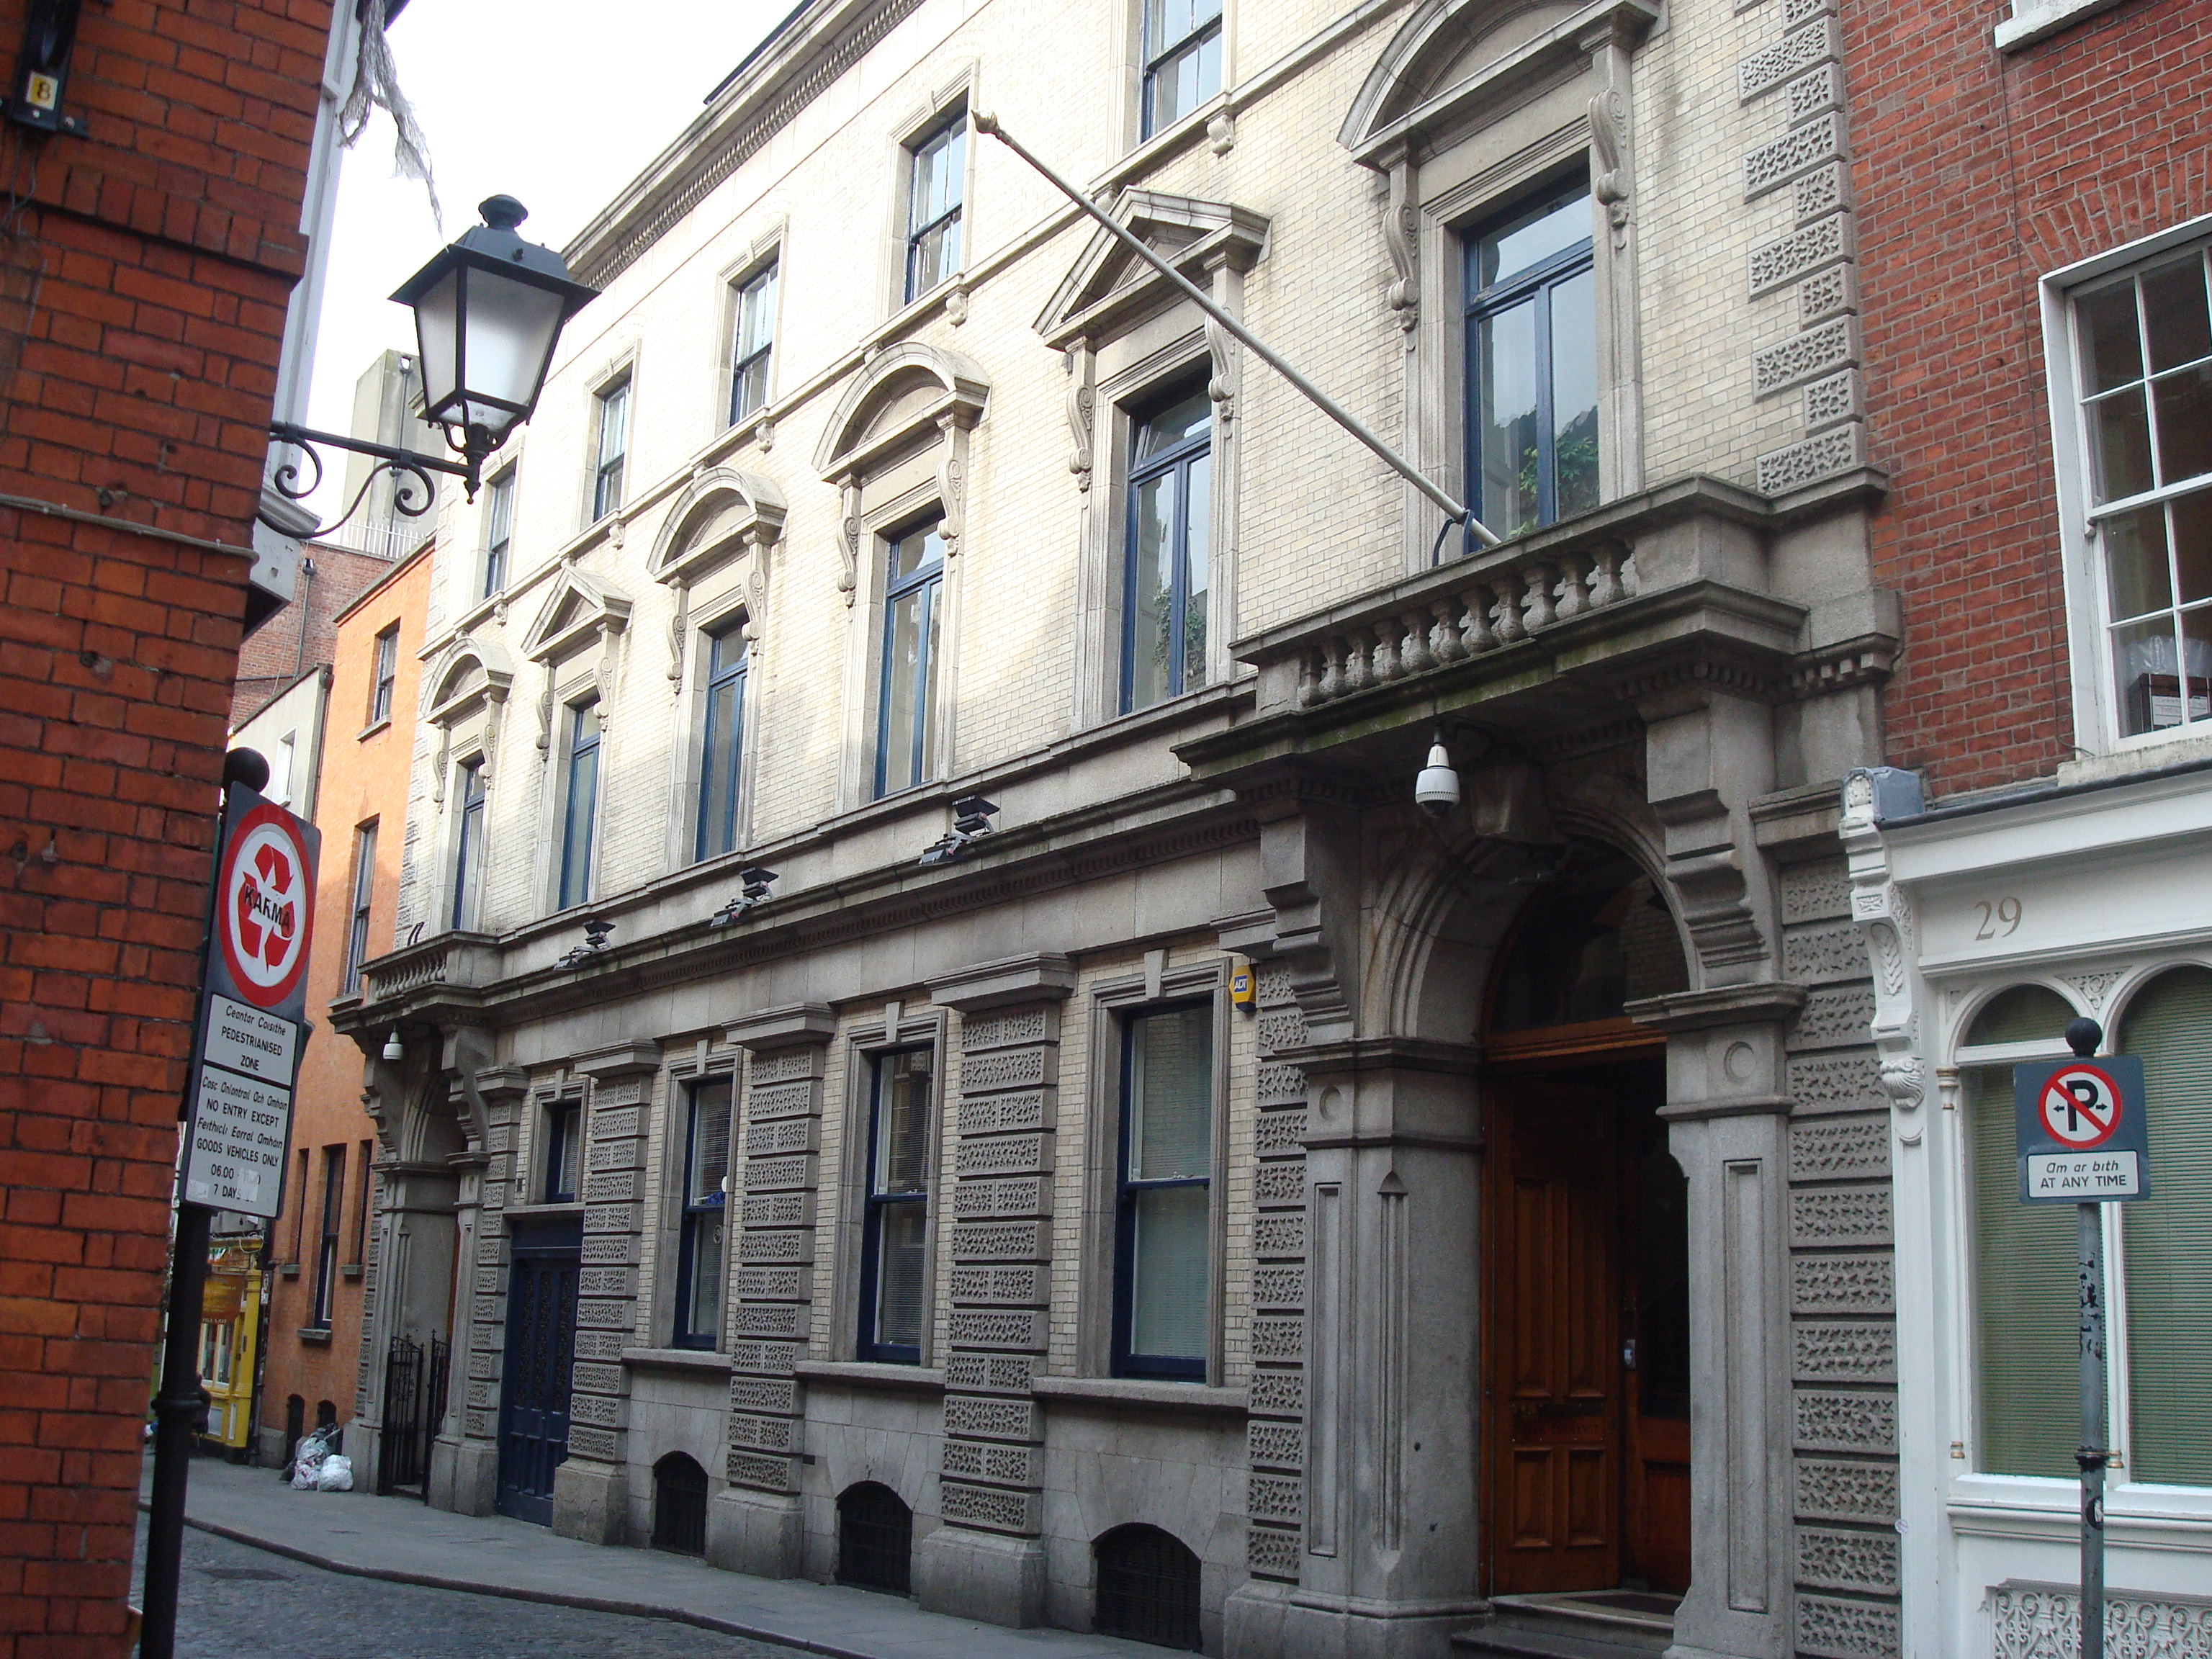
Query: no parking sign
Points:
[2084, 1136]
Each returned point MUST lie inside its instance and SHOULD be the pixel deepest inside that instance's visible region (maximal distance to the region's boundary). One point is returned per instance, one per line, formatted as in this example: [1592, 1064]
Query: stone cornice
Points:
[1040, 976]
[620, 1060]
[1721, 1005]
[1384, 1054]
[795, 1025]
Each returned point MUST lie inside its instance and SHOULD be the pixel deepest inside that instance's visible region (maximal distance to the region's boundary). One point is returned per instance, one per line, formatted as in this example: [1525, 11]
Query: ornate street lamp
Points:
[488, 310]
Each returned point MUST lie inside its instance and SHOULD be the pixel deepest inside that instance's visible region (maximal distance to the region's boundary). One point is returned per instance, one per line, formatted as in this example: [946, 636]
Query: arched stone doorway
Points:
[1585, 1442]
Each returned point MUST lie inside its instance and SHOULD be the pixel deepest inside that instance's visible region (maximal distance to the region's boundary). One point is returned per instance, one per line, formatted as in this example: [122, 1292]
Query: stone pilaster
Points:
[756, 1526]
[987, 1561]
[591, 1489]
[465, 1459]
[1275, 1434]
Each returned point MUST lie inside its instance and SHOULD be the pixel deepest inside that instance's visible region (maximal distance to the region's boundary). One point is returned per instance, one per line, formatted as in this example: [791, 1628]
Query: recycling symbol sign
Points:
[264, 906]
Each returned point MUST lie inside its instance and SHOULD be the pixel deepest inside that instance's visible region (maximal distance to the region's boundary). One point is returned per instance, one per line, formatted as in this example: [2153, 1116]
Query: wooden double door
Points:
[1586, 1393]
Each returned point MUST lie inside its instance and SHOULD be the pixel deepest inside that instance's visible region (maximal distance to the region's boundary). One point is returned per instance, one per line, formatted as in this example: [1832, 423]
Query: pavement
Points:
[402, 1542]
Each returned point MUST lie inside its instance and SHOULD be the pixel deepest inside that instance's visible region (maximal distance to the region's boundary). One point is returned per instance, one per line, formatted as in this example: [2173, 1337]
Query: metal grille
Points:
[399, 1453]
[875, 1540]
[679, 1506]
[1147, 1588]
[414, 1405]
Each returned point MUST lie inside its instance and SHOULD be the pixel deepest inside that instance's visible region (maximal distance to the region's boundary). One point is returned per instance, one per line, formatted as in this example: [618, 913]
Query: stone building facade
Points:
[943, 711]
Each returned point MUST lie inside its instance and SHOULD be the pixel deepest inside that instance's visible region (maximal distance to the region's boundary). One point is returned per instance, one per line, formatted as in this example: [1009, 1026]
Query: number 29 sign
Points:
[2083, 1134]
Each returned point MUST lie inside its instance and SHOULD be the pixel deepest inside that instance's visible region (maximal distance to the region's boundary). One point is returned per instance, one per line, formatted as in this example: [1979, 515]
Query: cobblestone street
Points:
[238, 1603]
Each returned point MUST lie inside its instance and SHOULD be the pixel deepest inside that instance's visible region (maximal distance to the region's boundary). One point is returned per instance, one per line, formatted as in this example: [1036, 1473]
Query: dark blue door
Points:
[541, 1339]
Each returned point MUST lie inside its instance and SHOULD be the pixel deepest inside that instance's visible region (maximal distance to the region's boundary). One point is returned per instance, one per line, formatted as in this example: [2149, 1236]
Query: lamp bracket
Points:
[411, 500]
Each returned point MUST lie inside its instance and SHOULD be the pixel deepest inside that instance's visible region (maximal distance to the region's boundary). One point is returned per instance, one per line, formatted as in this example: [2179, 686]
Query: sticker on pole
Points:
[2083, 1132]
[265, 907]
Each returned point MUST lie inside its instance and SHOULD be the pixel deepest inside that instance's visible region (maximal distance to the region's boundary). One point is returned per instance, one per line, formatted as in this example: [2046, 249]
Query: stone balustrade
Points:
[447, 960]
[1489, 605]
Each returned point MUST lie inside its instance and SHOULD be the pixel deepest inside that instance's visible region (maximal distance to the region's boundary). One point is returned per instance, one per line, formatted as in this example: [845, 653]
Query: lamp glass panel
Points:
[511, 328]
[437, 332]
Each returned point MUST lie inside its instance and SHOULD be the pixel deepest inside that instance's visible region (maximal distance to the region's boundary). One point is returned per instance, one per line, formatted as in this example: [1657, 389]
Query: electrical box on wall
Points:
[42, 68]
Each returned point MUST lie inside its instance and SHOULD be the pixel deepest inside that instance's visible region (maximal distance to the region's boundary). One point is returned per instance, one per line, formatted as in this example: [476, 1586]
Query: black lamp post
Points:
[488, 310]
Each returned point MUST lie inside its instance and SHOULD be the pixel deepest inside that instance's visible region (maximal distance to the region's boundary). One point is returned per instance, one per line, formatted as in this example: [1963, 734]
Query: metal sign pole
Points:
[176, 1420]
[2093, 1456]
[176, 1406]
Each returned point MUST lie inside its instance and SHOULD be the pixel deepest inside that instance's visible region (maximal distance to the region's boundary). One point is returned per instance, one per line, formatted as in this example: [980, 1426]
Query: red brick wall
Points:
[144, 271]
[277, 652]
[1976, 173]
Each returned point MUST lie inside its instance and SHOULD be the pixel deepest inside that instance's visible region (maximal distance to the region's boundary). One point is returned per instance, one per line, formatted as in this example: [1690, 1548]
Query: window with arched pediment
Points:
[713, 552]
[1505, 134]
[897, 446]
[469, 686]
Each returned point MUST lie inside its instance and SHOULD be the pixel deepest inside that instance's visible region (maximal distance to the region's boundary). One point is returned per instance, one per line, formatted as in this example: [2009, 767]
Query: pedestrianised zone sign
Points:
[2083, 1134]
[252, 1011]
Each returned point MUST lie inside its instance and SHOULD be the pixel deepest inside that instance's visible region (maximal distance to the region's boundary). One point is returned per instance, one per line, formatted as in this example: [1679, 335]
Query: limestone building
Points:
[937, 1049]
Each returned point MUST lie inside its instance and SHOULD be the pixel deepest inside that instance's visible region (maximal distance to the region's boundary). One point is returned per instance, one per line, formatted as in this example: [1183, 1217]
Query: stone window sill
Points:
[870, 1374]
[1128, 1391]
[317, 1335]
[2038, 20]
[371, 730]
[677, 1359]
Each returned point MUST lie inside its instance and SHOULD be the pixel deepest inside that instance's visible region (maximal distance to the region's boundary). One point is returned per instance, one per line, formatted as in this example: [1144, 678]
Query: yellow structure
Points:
[230, 1317]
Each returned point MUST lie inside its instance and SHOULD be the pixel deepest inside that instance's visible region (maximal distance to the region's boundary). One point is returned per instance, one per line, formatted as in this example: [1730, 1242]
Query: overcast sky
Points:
[555, 102]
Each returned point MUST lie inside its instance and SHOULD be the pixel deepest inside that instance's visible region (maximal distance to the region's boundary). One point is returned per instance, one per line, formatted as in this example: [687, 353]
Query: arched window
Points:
[1595, 940]
[2166, 1240]
[2026, 1014]
[1147, 1588]
[679, 1506]
[875, 1539]
[2024, 1256]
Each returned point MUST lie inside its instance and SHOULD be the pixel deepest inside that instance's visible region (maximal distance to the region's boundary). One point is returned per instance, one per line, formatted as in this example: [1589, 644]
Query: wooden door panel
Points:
[1555, 1398]
[1590, 1498]
[1533, 1525]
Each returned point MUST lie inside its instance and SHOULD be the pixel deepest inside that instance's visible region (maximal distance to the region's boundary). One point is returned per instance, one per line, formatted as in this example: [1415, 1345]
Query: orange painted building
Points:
[320, 1270]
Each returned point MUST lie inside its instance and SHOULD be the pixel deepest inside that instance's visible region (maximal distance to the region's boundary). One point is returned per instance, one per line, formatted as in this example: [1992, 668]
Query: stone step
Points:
[1596, 1624]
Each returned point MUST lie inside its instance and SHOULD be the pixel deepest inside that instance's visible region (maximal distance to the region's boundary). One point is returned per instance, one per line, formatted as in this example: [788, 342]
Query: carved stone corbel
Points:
[1082, 411]
[1221, 385]
[1610, 179]
[1885, 915]
[848, 535]
[952, 479]
[763, 540]
[545, 716]
[676, 636]
[1401, 227]
[1705, 865]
